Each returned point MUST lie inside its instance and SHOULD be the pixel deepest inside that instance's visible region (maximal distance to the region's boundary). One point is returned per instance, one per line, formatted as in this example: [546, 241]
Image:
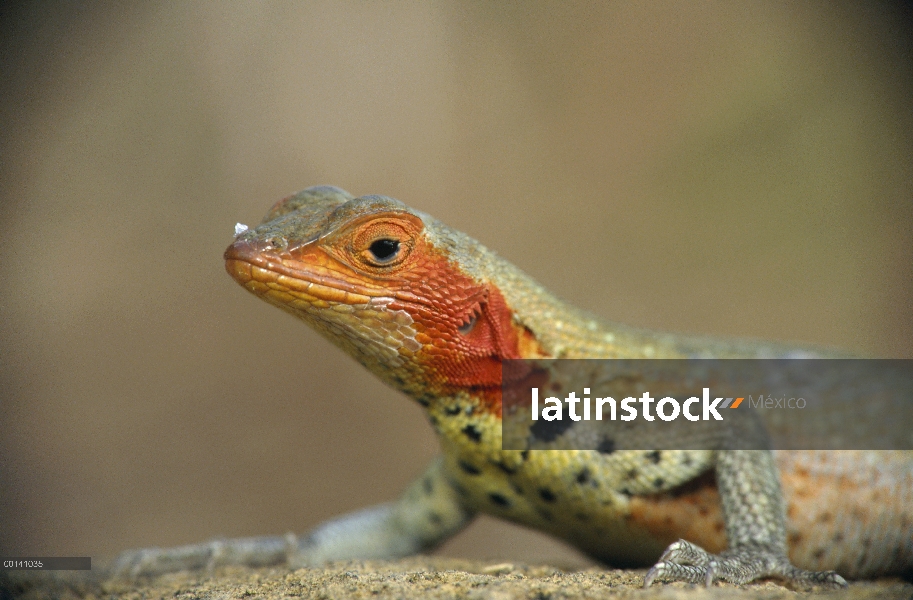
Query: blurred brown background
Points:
[728, 168]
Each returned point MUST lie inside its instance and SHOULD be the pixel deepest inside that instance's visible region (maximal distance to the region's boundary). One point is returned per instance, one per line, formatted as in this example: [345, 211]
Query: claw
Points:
[711, 574]
[652, 573]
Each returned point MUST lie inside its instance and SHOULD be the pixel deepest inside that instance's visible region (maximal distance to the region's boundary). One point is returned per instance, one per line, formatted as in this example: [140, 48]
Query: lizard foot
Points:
[684, 561]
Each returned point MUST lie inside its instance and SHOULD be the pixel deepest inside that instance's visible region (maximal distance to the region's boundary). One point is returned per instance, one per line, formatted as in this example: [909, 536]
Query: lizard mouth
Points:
[279, 278]
[322, 296]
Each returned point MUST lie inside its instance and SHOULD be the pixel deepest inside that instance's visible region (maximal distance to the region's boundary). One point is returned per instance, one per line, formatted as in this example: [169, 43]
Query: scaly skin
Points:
[433, 313]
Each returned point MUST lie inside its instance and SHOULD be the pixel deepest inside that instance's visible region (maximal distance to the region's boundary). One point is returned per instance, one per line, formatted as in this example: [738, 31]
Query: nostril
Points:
[276, 242]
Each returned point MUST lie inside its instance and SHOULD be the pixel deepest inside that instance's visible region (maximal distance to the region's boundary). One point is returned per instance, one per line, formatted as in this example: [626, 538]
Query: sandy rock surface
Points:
[419, 577]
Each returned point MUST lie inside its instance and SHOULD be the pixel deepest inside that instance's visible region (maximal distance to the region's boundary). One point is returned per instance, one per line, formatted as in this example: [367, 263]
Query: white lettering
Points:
[632, 412]
[675, 409]
[646, 400]
[710, 408]
[552, 413]
[600, 402]
[572, 401]
[687, 412]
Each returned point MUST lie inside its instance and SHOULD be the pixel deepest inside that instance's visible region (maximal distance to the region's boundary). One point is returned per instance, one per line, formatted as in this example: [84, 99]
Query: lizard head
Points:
[387, 284]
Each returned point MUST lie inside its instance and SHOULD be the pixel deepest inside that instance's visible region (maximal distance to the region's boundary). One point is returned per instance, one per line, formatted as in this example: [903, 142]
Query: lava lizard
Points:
[433, 313]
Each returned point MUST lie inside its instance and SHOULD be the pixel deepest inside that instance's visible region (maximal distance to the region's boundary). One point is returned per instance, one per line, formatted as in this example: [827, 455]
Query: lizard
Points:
[433, 313]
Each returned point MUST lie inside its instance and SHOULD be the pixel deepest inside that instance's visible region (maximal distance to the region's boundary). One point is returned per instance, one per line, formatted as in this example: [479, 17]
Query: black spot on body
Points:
[468, 468]
[453, 410]
[516, 487]
[428, 485]
[524, 455]
[606, 446]
[423, 402]
[583, 476]
[435, 518]
[838, 537]
[654, 456]
[498, 499]
[548, 431]
[818, 554]
[632, 474]
[507, 469]
[659, 482]
[547, 495]
[473, 433]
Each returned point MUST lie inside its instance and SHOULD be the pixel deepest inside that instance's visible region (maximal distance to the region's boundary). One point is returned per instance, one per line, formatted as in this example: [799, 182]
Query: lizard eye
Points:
[382, 244]
[384, 250]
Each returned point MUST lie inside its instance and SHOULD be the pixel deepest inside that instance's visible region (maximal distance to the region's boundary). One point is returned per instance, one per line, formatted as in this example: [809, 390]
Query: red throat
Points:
[465, 327]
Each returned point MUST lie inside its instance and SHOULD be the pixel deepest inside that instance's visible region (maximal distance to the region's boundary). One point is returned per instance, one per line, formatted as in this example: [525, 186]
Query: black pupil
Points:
[384, 250]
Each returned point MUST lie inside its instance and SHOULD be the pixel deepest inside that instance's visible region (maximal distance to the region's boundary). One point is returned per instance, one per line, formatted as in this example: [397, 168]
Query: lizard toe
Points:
[805, 579]
[684, 561]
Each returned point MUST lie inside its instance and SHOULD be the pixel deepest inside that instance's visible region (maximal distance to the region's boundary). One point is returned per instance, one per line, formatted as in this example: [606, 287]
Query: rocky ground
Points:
[418, 577]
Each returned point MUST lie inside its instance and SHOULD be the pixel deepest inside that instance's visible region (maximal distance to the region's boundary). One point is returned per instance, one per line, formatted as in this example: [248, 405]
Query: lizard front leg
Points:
[427, 514]
[755, 517]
